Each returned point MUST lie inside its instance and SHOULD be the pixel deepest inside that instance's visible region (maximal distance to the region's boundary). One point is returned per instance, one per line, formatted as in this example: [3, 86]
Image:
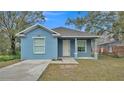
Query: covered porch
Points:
[78, 48]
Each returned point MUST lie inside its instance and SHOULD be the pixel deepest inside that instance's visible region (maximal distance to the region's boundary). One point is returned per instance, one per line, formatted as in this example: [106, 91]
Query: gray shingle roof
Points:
[67, 32]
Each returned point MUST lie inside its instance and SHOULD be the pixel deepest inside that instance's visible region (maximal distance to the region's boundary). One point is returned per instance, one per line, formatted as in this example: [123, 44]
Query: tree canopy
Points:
[118, 27]
[78, 22]
[12, 22]
[95, 21]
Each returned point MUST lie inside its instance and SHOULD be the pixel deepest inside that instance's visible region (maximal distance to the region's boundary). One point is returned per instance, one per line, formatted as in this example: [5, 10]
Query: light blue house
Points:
[39, 42]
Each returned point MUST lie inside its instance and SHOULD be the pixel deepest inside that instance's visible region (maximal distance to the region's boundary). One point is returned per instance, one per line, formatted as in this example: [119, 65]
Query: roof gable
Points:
[23, 33]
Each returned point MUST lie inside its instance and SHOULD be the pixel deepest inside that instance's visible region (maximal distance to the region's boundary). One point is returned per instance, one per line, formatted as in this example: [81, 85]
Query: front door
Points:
[66, 47]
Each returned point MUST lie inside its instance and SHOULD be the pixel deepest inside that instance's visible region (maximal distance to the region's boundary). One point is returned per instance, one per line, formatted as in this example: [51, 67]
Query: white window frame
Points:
[85, 46]
[34, 46]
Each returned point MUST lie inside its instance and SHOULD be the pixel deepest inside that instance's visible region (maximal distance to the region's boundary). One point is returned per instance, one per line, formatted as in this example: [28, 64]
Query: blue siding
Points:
[51, 45]
[72, 47]
[60, 47]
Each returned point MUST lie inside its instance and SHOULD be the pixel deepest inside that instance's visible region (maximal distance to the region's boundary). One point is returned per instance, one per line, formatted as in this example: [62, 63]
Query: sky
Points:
[58, 18]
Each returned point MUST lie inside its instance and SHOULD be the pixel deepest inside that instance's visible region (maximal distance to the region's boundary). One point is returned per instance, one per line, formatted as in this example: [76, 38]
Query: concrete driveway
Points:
[27, 70]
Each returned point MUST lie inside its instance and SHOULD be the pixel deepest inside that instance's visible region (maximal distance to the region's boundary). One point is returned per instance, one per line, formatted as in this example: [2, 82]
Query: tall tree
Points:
[118, 27]
[4, 43]
[78, 22]
[100, 21]
[95, 21]
[12, 22]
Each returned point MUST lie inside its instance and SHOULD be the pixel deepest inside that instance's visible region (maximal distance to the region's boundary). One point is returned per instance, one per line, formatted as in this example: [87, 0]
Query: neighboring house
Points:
[107, 47]
[106, 43]
[39, 42]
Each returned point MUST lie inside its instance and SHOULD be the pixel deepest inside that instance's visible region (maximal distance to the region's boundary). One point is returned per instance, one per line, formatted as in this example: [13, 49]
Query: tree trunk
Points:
[13, 46]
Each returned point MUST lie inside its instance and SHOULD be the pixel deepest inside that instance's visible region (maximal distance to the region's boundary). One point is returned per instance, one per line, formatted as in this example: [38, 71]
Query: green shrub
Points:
[9, 57]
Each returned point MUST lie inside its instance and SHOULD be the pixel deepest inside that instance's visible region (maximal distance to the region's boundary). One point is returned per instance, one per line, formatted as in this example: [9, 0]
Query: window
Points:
[39, 45]
[81, 45]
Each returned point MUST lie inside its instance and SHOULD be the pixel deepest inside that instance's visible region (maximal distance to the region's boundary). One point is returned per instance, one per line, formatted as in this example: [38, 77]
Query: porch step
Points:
[69, 60]
[65, 60]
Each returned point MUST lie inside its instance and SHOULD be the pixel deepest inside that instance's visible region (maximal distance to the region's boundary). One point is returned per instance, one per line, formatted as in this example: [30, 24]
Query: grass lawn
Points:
[106, 68]
[8, 57]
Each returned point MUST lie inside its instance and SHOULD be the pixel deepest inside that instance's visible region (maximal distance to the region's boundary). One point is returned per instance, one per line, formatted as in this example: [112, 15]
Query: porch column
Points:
[95, 50]
[76, 53]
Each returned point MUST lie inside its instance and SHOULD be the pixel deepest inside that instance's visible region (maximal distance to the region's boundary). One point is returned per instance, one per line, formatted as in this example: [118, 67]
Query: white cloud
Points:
[46, 19]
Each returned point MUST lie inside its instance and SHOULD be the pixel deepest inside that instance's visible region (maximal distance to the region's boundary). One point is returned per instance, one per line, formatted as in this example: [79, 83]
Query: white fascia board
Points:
[47, 28]
[81, 36]
[56, 35]
[20, 35]
[32, 27]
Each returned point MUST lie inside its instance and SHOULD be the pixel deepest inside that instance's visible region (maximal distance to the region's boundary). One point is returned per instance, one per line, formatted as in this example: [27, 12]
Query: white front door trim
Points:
[66, 47]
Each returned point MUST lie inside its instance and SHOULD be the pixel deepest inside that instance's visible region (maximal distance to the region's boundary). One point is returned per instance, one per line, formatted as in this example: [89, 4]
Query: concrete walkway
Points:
[28, 70]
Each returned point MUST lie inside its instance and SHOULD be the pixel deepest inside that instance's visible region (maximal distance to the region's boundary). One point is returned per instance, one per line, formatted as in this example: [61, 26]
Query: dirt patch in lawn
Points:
[7, 63]
[106, 68]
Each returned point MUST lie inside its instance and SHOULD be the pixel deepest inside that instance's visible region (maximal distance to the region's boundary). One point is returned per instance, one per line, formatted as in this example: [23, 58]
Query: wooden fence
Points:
[118, 51]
